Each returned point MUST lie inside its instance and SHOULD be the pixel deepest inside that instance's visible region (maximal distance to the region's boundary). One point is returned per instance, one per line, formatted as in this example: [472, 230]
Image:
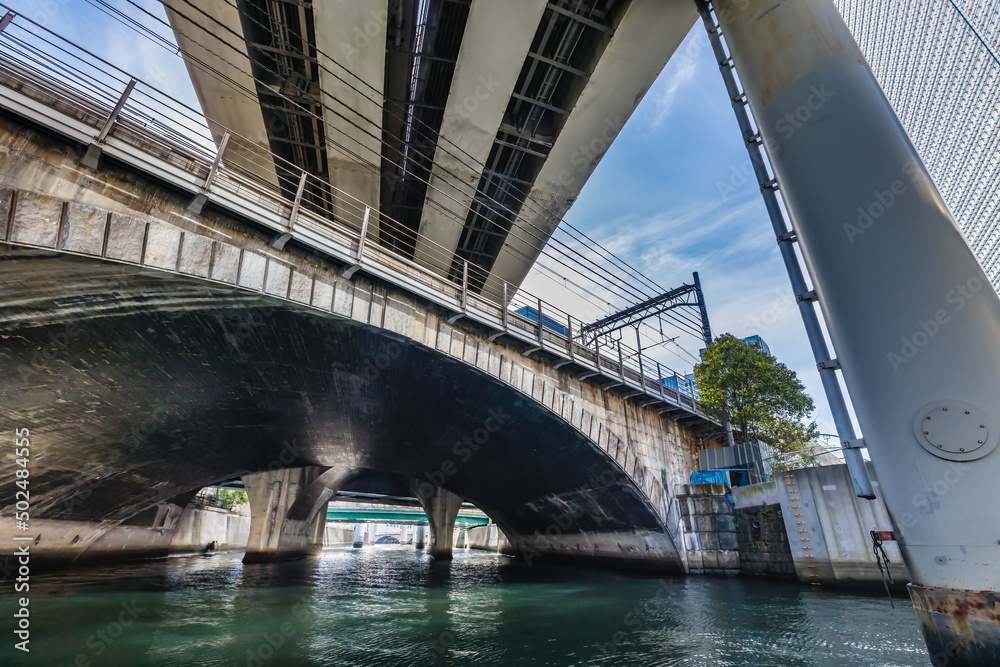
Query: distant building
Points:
[754, 340]
[757, 342]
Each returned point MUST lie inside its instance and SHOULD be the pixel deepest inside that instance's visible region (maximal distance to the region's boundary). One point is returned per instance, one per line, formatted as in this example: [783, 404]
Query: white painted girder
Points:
[497, 39]
[351, 35]
[224, 83]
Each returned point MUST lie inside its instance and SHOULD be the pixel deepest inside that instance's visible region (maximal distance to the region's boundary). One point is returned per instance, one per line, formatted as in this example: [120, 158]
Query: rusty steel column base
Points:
[961, 628]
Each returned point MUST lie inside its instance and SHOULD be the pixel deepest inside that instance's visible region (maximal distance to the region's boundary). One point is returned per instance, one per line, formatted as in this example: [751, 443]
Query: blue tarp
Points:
[713, 477]
[710, 477]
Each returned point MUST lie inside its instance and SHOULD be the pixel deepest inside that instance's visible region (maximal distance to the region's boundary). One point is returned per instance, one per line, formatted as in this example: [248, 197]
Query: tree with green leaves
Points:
[762, 398]
[231, 499]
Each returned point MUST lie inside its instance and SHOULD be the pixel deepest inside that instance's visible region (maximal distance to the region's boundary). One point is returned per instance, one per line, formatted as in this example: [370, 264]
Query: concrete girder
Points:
[497, 38]
[648, 34]
[226, 90]
[353, 32]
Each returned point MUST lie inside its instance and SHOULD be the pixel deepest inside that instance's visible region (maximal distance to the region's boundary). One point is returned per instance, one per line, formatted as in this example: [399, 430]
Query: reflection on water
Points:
[394, 606]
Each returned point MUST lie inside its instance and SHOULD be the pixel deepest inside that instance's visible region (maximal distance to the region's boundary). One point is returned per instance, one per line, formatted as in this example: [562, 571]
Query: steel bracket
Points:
[806, 296]
[856, 443]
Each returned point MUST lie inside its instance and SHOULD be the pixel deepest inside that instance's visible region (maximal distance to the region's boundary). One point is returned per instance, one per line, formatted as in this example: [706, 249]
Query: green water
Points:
[394, 606]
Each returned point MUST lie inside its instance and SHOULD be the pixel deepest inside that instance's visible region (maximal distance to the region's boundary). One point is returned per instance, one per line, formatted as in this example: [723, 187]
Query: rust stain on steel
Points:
[776, 42]
[961, 627]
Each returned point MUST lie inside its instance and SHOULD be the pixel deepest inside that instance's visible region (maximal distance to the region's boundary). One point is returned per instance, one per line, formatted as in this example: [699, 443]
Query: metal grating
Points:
[937, 61]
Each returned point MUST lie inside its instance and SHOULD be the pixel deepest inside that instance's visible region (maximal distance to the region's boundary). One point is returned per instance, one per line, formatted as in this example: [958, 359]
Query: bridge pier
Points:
[359, 535]
[910, 312]
[418, 541]
[283, 522]
[441, 507]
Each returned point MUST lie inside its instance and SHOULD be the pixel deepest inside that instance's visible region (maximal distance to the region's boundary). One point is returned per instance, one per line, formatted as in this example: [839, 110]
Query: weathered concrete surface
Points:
[828, 526]
[142, 383]
[763, 542]
[441, 507]
[486, 538]
[276, 532]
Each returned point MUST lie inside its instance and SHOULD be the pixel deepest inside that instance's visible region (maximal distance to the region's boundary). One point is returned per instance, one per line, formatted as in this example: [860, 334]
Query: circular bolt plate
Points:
[954, 430]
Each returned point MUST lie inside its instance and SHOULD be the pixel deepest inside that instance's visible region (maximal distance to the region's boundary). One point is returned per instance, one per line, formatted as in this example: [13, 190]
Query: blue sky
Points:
[670, 196]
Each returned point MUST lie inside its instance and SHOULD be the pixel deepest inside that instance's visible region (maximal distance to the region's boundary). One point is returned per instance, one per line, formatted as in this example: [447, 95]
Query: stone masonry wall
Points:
[710, 532]
[763, 542]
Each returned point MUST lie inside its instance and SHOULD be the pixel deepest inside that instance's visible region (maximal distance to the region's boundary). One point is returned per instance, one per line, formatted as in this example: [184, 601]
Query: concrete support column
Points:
[910, 312]
[441, 507]
[404, 534]
[277, 530]
[418, 541]
[359, 535]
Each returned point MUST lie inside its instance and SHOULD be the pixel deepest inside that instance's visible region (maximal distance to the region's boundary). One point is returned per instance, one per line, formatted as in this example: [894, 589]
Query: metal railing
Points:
[75, 93]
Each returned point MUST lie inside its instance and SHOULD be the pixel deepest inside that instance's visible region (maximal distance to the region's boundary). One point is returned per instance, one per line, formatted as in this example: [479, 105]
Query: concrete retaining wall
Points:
[486, 538]
[828, 526]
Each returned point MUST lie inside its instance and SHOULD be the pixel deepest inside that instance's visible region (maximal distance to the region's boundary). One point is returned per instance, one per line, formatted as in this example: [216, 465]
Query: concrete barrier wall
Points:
[197, 527]
[486, 538]
[337, 536]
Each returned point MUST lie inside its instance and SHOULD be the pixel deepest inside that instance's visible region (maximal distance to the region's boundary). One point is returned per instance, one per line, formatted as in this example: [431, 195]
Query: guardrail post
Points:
[5, 21]
[503, 311]
[638, 347]
[539, 320]
[465, 284]
[569, 333]
[93, 154]
[364, 233]
[281, 239]
[202, 197]
[350, 270]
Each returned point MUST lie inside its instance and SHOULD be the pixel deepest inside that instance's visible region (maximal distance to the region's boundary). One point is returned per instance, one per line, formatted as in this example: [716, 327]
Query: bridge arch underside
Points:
[139, 387]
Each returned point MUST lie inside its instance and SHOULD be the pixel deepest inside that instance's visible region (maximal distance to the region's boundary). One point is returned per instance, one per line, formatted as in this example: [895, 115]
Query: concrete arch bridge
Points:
[151, 352]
